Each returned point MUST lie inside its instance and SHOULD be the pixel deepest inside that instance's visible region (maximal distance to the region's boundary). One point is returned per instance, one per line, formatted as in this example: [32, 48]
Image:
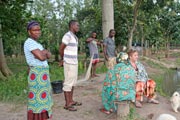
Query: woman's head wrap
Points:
[122, 57]
[31, 24]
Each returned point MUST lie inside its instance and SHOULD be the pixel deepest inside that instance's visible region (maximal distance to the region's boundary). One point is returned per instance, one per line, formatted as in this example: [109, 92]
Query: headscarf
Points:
[122, 57]
[31, 24]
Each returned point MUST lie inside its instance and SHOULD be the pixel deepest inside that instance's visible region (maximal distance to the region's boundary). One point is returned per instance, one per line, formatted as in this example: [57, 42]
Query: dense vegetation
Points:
[157, 21]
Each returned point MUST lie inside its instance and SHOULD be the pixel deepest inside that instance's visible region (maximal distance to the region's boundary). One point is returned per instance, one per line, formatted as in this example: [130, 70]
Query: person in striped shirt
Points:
[69, 59]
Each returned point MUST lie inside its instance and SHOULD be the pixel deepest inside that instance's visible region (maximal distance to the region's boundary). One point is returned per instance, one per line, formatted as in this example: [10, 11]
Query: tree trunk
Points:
[1, 76]
[138, 2]
[167, 49]
[3, 66]
[107, 16]
[142, 40]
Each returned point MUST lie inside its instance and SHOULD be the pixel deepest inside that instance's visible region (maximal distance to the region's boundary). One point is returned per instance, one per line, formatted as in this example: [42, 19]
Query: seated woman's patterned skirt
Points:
[119, 85]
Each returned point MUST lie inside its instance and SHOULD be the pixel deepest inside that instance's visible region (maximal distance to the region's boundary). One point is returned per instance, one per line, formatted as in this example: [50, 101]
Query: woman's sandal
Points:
[76, 104]
[70, 108]
[105, 111]
[138, 104]
[153, 101]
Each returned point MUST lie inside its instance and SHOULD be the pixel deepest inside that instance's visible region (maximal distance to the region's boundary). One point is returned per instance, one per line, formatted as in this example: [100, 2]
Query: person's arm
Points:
[47, 53]
[105, 49]
[98, 42]
[65, 40]
[61, 53]
[89, 40]
[142, 74]
[61, 50]
[32, 46]
[105, 52]
[39, 54]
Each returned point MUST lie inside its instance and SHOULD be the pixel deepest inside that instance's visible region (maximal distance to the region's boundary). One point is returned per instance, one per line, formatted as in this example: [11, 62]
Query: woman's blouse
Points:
[31, 60]
[141, 73]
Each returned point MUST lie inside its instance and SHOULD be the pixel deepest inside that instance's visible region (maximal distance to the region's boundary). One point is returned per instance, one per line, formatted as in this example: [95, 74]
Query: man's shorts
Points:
[111, 62]
[70, 74]
[95, 59]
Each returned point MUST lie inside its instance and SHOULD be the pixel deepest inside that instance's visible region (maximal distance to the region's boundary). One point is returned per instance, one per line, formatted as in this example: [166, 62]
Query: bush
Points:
[14, 89]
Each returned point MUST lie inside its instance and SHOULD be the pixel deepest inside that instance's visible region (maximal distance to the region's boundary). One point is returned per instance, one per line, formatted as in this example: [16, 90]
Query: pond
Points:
[171, 81]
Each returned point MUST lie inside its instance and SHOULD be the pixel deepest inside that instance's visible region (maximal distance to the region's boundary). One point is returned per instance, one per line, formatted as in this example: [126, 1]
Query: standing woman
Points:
[144, 85]
[39, 95]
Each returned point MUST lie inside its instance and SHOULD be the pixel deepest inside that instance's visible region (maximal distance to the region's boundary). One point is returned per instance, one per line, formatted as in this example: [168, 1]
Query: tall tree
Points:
[135, 14]
[4, 70]
[11, 20]
[107, 16]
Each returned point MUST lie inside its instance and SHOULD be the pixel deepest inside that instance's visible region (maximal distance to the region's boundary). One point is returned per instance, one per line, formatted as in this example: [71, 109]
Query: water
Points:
[171, 81]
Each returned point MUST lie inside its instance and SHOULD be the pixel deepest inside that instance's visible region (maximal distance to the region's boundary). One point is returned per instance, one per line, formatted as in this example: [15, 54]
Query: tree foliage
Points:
[157, 21]
[13, 17]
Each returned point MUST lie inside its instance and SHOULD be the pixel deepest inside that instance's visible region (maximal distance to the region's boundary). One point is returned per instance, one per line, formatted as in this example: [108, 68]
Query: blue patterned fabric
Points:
[40, 92]
[141, 73]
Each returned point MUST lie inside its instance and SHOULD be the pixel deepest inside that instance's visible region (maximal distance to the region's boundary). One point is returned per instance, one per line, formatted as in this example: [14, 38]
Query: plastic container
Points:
[57, 86]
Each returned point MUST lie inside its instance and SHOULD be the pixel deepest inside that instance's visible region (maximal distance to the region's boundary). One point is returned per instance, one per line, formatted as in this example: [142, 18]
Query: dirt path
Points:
[89, 93]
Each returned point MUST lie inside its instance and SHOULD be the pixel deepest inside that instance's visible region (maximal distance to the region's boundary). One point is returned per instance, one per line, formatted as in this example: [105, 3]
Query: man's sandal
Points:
[70, 108]
[76, 104]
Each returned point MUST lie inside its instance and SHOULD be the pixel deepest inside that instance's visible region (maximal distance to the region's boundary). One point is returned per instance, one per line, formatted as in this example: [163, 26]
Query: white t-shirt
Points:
[30, 45]
[71, 50]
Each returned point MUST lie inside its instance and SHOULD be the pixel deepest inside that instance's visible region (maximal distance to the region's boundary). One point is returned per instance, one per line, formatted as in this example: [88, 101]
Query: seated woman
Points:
[144, 85]
[118, 85]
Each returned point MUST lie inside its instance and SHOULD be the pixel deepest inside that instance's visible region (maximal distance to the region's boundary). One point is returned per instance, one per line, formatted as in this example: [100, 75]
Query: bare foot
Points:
[105, 111]
[95, 75]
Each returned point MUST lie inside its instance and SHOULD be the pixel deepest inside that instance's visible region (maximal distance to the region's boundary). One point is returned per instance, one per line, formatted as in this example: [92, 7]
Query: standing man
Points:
[92, 44]
[109, 49]
[69, 59]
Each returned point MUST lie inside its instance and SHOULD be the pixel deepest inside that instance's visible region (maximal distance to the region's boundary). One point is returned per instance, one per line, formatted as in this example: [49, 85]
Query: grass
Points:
[178, 62]
[165, 78]
[159, 78]
[133, 114]
[15, 88]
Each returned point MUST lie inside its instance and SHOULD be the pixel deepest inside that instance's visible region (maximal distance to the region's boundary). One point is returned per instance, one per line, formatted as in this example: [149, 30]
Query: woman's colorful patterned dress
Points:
[118, 85]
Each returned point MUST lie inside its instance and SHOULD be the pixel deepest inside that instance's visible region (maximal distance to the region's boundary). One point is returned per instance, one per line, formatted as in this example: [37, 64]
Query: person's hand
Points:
[101, 41]
[106, 57]
[61, 63]
[46, 53]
